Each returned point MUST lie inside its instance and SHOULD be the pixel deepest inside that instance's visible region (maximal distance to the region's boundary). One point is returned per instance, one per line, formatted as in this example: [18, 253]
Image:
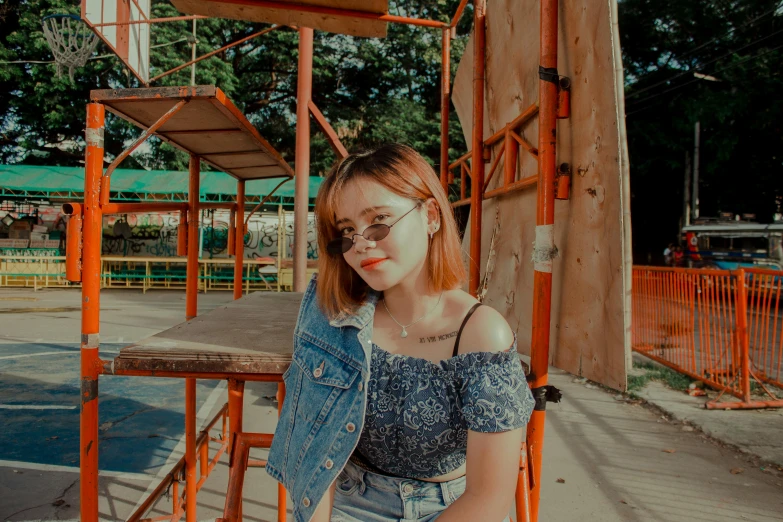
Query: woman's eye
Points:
[381, 217]
[344, 232]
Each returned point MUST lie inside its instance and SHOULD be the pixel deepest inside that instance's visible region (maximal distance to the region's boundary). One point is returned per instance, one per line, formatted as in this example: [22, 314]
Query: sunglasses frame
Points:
[339, 246]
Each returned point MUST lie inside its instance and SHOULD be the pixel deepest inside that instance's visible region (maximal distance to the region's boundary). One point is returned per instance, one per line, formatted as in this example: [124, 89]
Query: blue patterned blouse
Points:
[419, 412]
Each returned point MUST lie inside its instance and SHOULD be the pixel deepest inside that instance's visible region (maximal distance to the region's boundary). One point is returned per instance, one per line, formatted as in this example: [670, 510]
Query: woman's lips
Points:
[373, 263]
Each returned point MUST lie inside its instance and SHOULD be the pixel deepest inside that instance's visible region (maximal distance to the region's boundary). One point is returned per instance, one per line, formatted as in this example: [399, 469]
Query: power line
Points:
[750, 58]
[751, 22]
[101, 57]
[699, 67]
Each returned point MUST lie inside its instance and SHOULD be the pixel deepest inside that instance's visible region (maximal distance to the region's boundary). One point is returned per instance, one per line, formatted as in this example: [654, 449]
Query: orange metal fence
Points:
[720, 327]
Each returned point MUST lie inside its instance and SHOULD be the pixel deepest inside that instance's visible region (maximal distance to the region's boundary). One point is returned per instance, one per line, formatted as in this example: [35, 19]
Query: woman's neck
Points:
[410, 300]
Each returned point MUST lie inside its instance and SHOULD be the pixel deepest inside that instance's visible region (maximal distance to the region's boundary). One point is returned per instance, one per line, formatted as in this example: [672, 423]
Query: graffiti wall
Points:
[155, 235]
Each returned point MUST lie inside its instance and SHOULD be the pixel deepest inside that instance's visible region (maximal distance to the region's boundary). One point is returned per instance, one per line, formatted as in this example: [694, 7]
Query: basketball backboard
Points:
[123, 26]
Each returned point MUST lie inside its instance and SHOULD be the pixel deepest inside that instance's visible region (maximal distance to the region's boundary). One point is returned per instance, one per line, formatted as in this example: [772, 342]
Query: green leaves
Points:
[718, 63]
[371, 90]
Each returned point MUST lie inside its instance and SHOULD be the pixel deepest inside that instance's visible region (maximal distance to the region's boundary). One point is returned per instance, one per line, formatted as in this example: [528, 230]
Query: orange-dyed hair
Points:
[401, 170]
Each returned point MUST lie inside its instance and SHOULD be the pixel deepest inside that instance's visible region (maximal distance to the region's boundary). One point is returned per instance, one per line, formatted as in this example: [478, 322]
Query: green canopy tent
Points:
[67, 183]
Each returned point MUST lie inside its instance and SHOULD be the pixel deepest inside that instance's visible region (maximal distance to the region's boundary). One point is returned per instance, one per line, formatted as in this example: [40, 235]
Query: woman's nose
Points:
[361, 244]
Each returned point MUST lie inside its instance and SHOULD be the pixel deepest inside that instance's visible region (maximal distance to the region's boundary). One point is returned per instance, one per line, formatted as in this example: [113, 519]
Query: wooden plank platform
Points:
[209, 126]
[252, 335]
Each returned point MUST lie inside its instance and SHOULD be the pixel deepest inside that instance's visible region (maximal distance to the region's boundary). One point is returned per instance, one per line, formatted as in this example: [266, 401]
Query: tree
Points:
[371, 90]
[716, 62]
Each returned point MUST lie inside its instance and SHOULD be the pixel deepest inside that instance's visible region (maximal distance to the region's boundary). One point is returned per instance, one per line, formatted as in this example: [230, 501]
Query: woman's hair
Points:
[401, 170]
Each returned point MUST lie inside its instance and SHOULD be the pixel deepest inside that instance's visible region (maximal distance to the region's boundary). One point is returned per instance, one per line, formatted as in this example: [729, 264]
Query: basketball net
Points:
[71, 41]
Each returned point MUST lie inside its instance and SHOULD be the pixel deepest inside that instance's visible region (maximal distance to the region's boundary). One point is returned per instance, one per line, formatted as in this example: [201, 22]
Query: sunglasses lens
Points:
[376, 232]
[339, 246]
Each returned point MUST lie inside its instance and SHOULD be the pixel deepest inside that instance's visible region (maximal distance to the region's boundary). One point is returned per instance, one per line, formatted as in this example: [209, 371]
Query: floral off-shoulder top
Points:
[419, 412]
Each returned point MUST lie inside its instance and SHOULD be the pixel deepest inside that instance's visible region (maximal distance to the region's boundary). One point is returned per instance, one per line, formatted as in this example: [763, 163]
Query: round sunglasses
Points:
[376, 232]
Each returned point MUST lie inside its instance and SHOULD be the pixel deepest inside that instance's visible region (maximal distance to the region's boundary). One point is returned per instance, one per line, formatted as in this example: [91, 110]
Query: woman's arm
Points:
[323, 513]
[492, 470]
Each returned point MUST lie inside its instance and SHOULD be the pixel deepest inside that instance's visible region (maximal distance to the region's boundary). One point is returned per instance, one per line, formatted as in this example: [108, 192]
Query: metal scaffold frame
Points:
[553, 103]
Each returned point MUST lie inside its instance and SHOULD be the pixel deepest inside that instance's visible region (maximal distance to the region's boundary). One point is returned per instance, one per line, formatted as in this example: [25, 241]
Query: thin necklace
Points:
[404, 327]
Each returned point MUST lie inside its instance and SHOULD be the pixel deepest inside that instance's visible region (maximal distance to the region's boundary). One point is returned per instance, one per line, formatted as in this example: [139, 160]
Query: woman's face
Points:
[401, 254]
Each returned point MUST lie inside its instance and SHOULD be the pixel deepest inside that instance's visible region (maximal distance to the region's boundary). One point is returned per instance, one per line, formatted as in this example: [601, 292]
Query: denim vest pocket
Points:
[325, 378]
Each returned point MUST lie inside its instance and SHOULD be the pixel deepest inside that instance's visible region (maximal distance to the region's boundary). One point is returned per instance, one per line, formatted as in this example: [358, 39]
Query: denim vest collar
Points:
[363, 315]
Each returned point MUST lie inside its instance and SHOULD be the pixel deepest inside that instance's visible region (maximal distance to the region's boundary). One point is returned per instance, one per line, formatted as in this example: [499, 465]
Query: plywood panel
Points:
[590, 297]
[244, 10]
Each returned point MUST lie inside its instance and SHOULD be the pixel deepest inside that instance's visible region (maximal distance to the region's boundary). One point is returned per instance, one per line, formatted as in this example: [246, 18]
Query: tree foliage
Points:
[371, 90]
[712, 61]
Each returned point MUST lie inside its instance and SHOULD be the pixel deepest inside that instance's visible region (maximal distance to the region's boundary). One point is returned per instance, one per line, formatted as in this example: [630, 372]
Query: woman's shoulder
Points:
[485, 331]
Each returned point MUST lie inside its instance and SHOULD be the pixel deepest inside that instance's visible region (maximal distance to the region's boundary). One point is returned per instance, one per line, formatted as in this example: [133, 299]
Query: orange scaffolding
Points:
[553, 103]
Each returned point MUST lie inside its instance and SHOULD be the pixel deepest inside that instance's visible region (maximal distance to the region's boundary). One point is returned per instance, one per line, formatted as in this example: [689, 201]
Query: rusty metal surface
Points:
[253, 334]
[209, 126]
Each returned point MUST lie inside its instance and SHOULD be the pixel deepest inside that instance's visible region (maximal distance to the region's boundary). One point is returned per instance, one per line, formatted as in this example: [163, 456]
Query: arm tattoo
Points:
[435, 338]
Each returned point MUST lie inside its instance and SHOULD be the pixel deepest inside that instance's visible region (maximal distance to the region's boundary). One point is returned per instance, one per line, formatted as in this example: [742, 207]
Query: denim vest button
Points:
[328, 464]
[317, 372]
[351, 427]
[407, 489]
[306, 502]
[361, 386]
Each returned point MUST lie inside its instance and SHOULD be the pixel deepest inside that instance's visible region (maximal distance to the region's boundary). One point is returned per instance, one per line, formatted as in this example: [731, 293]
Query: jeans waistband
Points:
[405, 487]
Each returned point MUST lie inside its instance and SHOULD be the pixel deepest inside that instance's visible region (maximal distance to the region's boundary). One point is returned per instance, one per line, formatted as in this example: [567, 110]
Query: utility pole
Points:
[193, 54]
[686, 191]
[697, 133]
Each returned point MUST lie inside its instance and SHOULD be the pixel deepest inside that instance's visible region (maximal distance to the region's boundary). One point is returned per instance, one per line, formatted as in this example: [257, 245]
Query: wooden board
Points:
[591, 294]
[329, 21]
[253, 334]
[209, 125]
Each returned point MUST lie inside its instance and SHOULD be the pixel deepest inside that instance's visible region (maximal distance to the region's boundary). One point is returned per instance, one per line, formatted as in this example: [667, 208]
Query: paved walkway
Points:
[605, 459]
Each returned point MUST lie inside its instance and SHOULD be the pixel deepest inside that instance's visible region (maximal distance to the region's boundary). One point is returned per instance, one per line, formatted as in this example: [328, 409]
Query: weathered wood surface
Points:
[209, 126]
[243, 10]
[590, 297]
[253, 334]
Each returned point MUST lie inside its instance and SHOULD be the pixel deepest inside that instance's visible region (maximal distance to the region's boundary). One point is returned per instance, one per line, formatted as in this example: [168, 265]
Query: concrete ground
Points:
[605, 459]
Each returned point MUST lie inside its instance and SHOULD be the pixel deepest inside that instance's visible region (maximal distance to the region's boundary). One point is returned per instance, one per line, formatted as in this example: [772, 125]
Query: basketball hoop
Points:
[71, 41]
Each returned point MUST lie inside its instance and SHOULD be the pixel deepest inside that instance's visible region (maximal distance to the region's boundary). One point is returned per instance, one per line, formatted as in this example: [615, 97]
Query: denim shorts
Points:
[364, 496]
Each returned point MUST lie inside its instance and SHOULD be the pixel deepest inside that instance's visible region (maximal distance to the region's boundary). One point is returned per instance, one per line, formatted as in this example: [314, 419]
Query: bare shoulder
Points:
[486, 330]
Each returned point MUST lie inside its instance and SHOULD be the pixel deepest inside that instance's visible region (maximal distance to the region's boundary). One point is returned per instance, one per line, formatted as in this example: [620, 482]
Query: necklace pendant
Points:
[404, 332]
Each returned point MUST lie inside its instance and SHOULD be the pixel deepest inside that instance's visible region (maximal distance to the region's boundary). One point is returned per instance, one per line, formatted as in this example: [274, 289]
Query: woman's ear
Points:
[433, 216]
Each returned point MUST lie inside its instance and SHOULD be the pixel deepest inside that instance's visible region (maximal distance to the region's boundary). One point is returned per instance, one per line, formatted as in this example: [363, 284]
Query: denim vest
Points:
[326, 394]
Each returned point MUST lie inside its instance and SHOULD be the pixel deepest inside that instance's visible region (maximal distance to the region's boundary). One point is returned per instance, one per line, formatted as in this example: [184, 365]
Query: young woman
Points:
[406, 400]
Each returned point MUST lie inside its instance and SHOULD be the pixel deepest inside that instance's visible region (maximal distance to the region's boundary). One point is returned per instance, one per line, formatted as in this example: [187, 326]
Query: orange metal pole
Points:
[304, 92]
[91, 285]
[545, 218]
[239, 245]
[458, 13]
[477, 161]
[126, 208]
[106, 181]
[236, 398]
[331, 136]
[445, 88]
[510, 164]
[191, 275]
[742, 335]
[190, 450]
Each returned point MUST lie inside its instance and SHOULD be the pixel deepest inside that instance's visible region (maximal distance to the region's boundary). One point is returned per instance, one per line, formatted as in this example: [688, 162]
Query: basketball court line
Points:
[36, 407]
[63, 352]
[123, 475]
